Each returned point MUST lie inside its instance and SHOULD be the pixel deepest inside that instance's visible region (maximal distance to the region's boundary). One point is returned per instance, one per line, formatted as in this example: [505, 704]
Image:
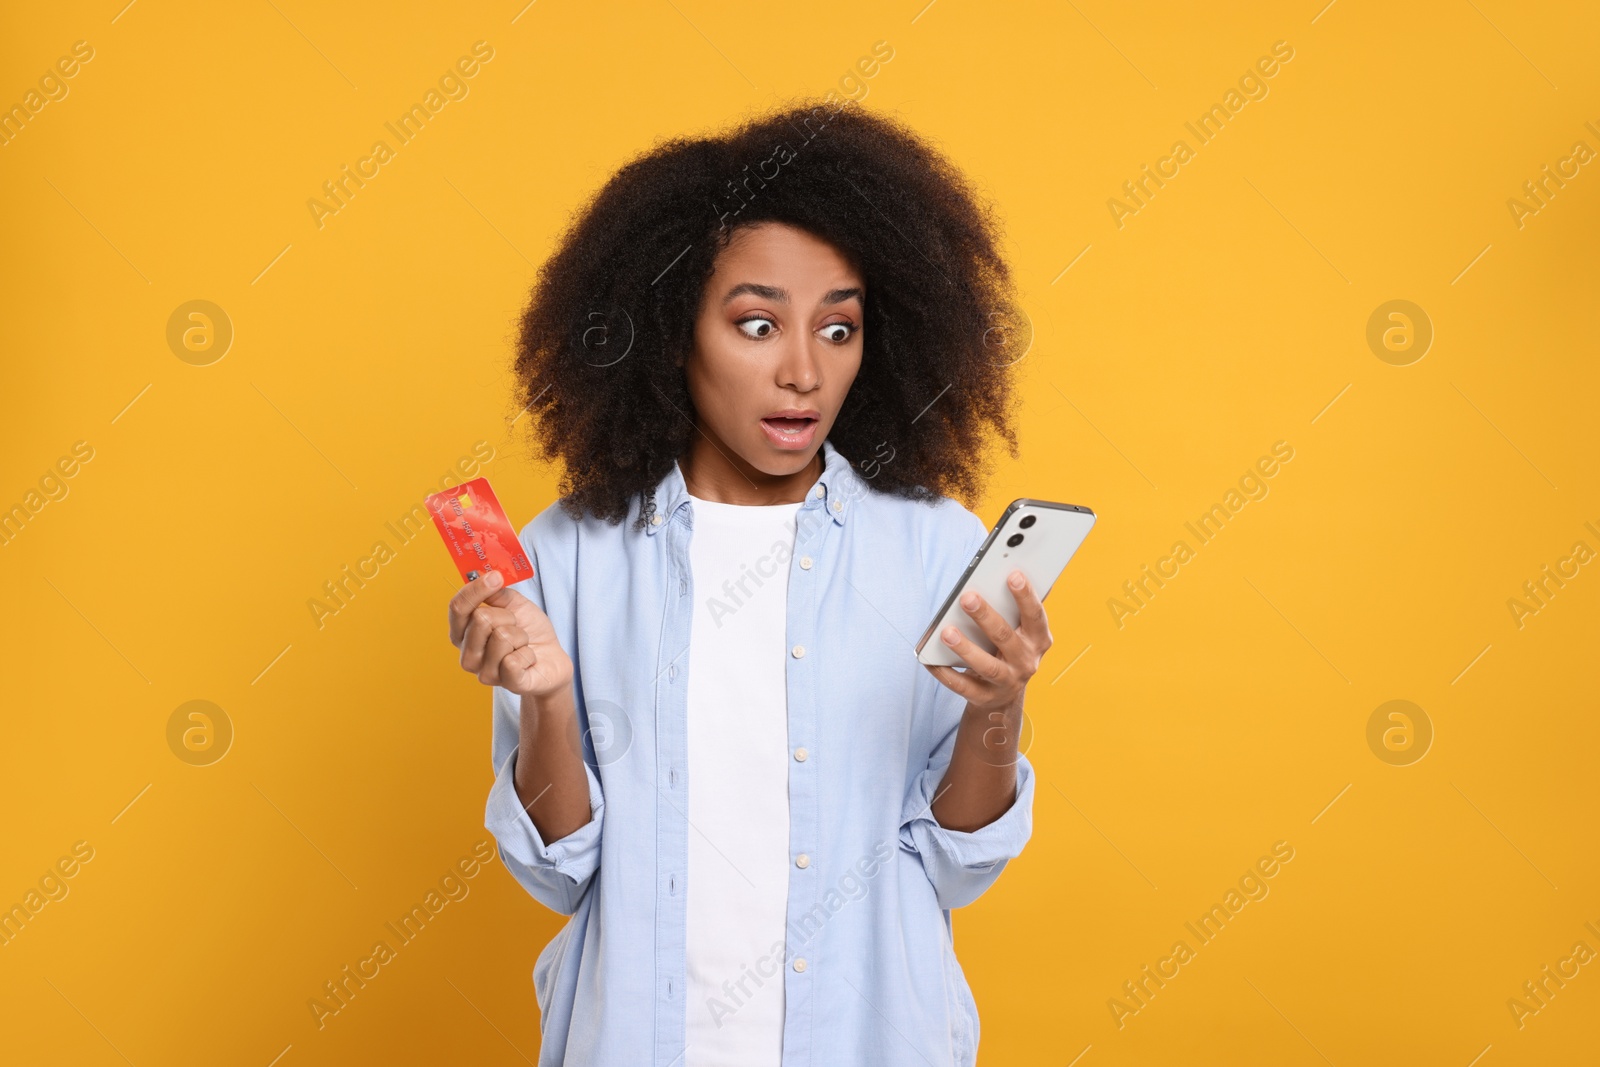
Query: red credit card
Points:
[477, 533]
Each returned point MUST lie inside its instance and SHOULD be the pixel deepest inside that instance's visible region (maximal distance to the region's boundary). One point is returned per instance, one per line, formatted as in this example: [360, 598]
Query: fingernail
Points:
[970, 600]
[494, 579]
[950, 636]
[1016, 580]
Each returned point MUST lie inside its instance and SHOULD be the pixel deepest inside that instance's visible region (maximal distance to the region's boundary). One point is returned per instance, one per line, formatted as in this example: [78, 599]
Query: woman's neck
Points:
[713, 471]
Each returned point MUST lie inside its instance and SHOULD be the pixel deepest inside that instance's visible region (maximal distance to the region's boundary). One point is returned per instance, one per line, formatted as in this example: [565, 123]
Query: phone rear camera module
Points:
[1014, 540]
[1027, 521]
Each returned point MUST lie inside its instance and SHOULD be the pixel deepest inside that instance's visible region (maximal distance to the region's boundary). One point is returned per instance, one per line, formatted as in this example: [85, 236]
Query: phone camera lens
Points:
[1027, 521]
[1014, 540]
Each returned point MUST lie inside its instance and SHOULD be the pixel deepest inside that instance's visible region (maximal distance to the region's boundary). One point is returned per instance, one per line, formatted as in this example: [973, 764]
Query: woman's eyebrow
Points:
[772, 292]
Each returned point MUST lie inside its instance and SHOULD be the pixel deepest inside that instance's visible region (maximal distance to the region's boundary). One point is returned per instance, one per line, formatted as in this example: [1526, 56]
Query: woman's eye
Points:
[755, 326]
[838, 332]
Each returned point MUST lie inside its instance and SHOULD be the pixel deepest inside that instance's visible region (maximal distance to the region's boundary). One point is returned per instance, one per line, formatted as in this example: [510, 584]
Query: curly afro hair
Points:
[602, 342]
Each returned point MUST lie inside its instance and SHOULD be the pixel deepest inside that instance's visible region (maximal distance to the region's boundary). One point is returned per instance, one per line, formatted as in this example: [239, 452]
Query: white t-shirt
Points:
[737, 882]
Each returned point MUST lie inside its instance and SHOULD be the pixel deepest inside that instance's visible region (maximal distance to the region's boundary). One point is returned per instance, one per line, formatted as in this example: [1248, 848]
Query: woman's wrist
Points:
[548, 725]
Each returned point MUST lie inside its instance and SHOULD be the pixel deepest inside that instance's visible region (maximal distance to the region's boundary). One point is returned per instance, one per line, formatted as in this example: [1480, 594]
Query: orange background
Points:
[1230, 312]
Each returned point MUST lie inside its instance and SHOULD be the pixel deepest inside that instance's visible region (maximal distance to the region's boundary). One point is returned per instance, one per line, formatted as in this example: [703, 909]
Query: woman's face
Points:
[777, 343]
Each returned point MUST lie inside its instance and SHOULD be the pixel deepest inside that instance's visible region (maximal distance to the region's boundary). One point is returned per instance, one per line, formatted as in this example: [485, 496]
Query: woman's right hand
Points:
[506, 640]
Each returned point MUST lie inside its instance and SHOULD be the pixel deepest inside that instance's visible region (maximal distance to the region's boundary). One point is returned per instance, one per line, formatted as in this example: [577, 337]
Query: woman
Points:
[763, 359]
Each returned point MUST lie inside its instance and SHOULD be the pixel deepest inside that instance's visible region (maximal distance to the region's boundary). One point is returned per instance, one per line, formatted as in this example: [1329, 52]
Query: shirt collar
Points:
[833, 492]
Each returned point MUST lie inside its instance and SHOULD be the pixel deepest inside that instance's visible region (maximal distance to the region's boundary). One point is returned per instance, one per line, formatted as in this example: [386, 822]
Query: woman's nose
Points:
[798, 369]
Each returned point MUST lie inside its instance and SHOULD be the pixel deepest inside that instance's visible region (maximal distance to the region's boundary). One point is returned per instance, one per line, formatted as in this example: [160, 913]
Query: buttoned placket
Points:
[672, 823]
[802, 686]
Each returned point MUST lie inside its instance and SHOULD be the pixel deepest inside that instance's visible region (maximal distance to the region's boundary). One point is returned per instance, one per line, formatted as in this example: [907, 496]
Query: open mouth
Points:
[789, 431]
[789, 426]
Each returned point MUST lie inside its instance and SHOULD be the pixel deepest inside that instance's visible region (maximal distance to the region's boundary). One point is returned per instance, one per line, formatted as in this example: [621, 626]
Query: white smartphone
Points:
[1037, 537]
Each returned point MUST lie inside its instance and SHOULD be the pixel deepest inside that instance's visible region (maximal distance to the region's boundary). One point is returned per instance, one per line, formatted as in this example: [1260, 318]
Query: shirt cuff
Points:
[980, 850]
[519, 839]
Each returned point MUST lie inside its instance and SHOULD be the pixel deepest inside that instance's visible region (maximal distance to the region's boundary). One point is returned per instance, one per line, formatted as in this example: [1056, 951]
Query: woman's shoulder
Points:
[546, 530]
[945, 532]
[941, 519]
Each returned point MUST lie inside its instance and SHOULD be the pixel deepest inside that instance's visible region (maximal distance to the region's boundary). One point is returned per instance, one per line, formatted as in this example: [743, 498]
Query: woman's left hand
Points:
[996, 681]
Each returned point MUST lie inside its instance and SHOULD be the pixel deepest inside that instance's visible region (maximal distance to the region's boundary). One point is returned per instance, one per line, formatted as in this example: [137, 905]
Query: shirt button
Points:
[798, 651]
[838, 505]
[799, 963]
[655, 520]
[805, 563]
[800, 754]
[802, 861]
[818, 493]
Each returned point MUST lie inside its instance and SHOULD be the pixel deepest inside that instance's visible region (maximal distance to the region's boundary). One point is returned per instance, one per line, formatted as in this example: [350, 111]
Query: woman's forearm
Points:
[550, 777]
[981, 781]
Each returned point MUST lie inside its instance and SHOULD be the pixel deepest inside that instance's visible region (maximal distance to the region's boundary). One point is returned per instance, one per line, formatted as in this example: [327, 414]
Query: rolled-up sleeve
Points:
[961, 865]
[558, 872]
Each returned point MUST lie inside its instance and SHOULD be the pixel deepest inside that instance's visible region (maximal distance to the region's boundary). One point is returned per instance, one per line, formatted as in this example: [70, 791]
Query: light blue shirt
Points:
[869, 970]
